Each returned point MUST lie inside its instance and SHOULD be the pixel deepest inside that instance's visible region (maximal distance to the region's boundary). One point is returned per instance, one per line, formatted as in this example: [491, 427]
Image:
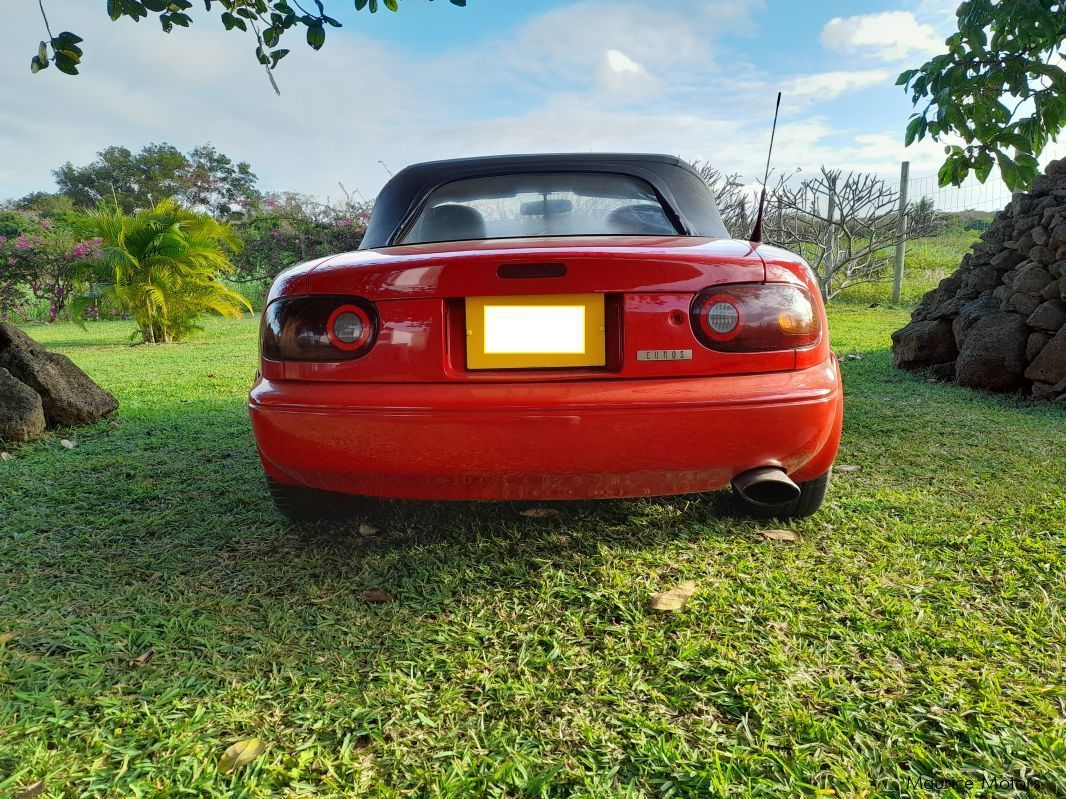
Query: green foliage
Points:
[205, 178]
[914, 635]
[163, 266]
[268, 21]
[998, 87]
[43, 204]
[42, 266]
[289, 228]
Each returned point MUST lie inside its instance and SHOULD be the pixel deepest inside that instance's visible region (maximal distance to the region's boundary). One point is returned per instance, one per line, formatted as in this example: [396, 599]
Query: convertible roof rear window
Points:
[540, 204]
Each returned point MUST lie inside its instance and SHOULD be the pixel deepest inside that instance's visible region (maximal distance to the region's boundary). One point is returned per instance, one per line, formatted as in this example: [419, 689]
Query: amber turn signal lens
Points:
[798, 321]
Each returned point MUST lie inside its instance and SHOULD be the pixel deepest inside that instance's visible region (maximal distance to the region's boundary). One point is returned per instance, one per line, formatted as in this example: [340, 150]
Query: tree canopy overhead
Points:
[267, 20]
[1001, 87]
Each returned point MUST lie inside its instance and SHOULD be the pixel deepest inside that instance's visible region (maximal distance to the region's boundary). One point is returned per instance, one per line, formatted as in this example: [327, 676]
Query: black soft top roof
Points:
[680, 187]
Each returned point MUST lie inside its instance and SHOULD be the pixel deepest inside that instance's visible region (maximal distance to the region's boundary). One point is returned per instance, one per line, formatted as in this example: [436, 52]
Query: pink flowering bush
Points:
[289, 228]
[40, 273]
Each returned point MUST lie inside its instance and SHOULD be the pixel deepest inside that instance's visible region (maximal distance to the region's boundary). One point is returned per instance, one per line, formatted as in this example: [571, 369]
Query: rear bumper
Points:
[563, 440]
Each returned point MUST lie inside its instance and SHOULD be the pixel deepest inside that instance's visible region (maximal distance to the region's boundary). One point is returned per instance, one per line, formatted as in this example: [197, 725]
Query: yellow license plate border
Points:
[595, 333]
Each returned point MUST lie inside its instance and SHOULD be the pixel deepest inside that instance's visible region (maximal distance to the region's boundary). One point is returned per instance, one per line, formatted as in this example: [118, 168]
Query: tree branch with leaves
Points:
[267, 20]
[1000, 88]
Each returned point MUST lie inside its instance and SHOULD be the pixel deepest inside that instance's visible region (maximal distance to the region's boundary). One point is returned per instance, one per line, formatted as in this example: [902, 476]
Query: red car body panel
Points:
[409, 420]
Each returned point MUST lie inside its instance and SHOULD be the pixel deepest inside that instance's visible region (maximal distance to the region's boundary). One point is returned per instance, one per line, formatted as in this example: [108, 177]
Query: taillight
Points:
[755, 317]
[318, 328]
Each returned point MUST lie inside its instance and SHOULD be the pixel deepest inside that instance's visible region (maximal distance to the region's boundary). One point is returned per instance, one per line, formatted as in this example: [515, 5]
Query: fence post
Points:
[901, 247]
[830, 258]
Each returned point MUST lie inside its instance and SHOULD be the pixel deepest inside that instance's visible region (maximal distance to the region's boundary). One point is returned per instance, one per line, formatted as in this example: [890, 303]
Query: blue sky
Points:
[691, 77]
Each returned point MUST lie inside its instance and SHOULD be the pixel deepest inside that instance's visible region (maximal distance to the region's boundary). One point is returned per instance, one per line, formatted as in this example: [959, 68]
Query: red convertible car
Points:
[547, 327]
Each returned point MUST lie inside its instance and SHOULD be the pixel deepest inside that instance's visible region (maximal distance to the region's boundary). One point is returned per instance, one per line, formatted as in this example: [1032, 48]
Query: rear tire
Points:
[812, 493]
[308, 505]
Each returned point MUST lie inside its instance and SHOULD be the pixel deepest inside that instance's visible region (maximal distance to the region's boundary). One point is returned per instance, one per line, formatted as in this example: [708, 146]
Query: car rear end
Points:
[546, 368]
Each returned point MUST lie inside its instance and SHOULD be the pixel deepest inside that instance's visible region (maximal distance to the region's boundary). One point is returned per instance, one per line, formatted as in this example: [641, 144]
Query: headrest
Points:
[643, 219]
[451, 222]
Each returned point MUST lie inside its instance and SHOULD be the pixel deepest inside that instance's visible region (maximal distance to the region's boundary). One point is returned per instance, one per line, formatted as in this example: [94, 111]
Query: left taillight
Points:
[318, 328]
[756, 317]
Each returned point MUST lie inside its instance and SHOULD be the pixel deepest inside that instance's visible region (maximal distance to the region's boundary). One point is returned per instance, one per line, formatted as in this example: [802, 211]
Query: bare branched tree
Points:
[735, 203]
[845, 224]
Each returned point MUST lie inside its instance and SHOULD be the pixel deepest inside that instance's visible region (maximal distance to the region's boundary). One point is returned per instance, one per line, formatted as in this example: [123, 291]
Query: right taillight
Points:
[755, 317]
[318, 328]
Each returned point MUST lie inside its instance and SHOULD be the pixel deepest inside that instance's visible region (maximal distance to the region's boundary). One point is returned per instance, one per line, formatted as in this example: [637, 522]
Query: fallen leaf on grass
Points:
[376, 595]
[366, 530]
[779, 535]
[847, 468]
[539, 513]
[143, 658]
[853, 356]
[66, 442]
[6, 456]
[675, 598]
[5, 637]
[31, 790]
[113, 424]
[240, 754]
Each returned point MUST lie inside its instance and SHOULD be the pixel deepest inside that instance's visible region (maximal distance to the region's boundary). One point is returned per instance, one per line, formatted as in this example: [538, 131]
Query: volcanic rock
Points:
[67, 395]
[993, 355]
[21, 414]
[923, 343]
[999, 322]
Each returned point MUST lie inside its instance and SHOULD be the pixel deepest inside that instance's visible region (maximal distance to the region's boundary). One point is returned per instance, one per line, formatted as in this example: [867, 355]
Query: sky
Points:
[695, 78]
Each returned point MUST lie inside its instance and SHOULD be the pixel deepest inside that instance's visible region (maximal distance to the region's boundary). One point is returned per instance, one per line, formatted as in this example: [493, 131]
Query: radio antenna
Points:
[756, 233]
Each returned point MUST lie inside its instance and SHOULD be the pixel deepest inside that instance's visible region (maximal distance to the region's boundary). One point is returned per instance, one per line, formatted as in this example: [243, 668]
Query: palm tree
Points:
[162, 265]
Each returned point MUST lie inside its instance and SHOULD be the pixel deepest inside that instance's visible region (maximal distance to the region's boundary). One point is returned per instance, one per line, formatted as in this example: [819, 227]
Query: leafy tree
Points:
[205, 178]
[1000, 87]
[211, 180]
[46, 205]
[288, 228]
[164, 266]
[267, 20]
[121, 178]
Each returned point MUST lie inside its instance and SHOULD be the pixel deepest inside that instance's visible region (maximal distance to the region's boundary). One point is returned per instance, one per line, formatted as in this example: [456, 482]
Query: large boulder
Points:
[923, 343]
[67, 394]
[993, 355]
[1049, 316]
[970, 313]
[1049, 366]
[21, 413]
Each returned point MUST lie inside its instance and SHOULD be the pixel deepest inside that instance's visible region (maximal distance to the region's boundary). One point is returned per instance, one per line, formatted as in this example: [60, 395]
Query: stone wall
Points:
[999, 322]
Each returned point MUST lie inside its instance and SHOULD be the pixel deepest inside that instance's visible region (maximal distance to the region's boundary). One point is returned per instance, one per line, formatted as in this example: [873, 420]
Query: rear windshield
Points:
[519, 206]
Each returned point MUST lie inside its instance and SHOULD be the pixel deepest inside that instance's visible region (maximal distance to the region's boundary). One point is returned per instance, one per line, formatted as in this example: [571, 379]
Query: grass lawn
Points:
[916, 633]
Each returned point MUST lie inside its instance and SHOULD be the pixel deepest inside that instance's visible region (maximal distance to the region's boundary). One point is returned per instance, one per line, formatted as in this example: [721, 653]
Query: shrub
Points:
[290, 228]
[164, 266]
[44, 267]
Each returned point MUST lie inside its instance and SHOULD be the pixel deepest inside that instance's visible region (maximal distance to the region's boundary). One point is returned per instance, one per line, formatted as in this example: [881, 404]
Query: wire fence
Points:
[972, 195]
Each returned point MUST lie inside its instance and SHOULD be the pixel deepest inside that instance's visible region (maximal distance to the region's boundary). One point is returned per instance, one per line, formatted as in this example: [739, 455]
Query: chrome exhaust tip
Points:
[767, 485]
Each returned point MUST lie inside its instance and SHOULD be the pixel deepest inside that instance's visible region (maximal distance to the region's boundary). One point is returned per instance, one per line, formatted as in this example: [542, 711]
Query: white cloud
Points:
[888, 36]
[619, 62]
[823, 86]
[591, 75]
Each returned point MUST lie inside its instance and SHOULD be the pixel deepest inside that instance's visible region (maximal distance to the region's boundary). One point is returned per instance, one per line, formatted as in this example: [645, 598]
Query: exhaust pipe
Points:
[767, 485]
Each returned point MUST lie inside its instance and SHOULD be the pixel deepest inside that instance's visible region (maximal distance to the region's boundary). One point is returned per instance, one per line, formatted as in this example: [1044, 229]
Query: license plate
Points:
[552, 330]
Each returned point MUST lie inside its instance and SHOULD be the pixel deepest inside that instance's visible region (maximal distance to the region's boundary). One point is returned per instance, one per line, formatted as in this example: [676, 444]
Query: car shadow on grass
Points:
[180, 491]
